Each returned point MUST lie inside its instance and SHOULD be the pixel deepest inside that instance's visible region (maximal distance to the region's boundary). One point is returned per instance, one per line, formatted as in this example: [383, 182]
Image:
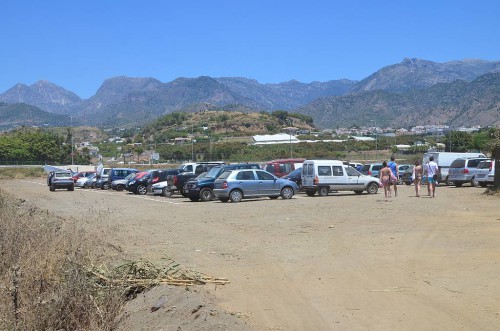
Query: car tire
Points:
[194, 199]
[447, 181]
[120, 188]
[71, 188]
[458, 184]
[323, 191]
[287, 192]
[141, 190]
[206, 194]
[236, 196]
[372, 188]
[105, 186]
[223, 199]
[166, 192]
[474, 182]
[310, 193]
[52, 188]
[358, 192]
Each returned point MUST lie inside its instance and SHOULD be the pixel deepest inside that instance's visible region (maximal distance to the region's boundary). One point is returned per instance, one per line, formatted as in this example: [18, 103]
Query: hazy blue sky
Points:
[79, 44]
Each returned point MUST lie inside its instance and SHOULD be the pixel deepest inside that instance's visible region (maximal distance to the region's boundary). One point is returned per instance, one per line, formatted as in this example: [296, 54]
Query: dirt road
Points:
[342, 262]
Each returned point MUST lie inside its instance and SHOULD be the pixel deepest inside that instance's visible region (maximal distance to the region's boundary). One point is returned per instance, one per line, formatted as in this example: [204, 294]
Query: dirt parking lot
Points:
[341, 262]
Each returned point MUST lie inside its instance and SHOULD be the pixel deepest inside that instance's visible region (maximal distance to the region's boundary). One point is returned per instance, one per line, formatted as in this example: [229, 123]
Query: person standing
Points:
[432, 171]
[385, 179]
[417, 177]
[395, 171]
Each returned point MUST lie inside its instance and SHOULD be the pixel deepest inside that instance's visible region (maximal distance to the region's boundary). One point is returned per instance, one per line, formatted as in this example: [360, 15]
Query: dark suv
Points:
[202, 189]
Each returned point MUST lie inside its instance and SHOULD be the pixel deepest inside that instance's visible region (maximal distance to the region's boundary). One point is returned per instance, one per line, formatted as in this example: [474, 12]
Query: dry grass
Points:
[43, 282]
[21, 172]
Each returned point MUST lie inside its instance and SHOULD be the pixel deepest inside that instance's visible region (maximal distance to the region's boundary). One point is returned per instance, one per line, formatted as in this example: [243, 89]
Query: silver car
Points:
[462, 170]
[236, 185]
[485, 173]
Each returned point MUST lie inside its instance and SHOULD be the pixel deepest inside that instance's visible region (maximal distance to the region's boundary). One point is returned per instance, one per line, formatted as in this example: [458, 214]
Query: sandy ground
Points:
[341, 262]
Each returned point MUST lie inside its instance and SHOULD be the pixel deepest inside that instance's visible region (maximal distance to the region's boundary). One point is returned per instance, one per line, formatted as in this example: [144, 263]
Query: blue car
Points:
[241, 184]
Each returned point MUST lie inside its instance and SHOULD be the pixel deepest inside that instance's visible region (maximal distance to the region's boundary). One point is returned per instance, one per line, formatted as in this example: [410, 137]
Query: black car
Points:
[201, 188]
[295, 176]
[406, 176]
[139, 184]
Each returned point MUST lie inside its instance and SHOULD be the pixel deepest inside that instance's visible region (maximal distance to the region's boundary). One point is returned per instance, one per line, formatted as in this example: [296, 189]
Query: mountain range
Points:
[412, 92]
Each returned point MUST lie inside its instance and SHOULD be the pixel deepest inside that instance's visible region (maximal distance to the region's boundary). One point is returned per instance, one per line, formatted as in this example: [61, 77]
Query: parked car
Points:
[295, 176]
[406, 176]
[236, 185]
[356, 165]
[81, 174]
[121, 184]
[371, 169]
[85, 182]
[101, 178]
[444, 161]
[176, 182]
[116, 174]
[401, 169]
[281, 167]
[139, 184]
[324, 176]
[61, 179]
[202, 188]
[462, 170]
[485, 173]
[159, 181]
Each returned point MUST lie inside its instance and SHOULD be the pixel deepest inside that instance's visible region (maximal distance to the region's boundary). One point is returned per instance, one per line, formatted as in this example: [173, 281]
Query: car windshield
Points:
[130, 176]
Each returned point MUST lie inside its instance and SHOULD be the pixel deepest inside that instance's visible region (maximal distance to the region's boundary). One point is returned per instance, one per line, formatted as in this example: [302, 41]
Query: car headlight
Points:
[132, 182]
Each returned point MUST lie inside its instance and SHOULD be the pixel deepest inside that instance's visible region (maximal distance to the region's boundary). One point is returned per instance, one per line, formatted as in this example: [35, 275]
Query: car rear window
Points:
[365, 168]
[377, 167]
[474, 163]
[458, 163]
[484, 165]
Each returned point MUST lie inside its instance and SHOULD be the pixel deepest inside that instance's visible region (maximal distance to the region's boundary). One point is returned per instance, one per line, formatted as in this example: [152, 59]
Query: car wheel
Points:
[236, 196]
[194, 199]
[181, 190]
[52, 188]
[166, 192]
[458, 184]
[71, 188]
[310, 193]
[372, 188]
[358, 192]
[120, 187]
[447, 181]
[223, 199]
[483, 184]
[474, 182]
[287, 192]
[323, 191]
[206, 195]
[141, 190]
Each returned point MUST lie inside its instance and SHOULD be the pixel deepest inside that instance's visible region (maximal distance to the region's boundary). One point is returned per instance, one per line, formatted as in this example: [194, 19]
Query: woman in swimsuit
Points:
[385, 179]
[417, 177]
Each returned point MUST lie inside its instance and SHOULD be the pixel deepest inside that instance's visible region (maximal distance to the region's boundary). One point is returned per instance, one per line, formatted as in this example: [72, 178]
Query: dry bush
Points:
[44, 278]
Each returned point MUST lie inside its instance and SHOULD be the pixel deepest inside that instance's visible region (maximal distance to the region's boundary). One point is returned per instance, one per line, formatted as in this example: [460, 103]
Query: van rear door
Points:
[308, 174]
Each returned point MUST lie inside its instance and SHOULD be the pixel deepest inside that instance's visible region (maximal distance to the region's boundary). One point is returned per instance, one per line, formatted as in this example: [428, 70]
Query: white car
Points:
[85, 182]
[485, 173]
[161, 188]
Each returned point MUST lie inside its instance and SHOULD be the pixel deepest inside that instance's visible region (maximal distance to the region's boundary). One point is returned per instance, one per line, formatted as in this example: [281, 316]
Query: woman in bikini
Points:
[417, 177]
[385, 179]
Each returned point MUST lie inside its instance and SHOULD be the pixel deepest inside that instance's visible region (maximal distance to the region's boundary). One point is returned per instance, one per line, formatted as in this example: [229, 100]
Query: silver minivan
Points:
[462, 170]
[485, 173]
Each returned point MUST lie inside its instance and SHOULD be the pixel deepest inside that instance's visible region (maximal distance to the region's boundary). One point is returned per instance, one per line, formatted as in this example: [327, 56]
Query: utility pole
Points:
[192, 143]
[72, 144]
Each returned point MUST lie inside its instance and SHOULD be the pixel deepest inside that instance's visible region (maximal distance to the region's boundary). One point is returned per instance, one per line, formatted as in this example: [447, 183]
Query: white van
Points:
[444, 160]
[324, 176]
